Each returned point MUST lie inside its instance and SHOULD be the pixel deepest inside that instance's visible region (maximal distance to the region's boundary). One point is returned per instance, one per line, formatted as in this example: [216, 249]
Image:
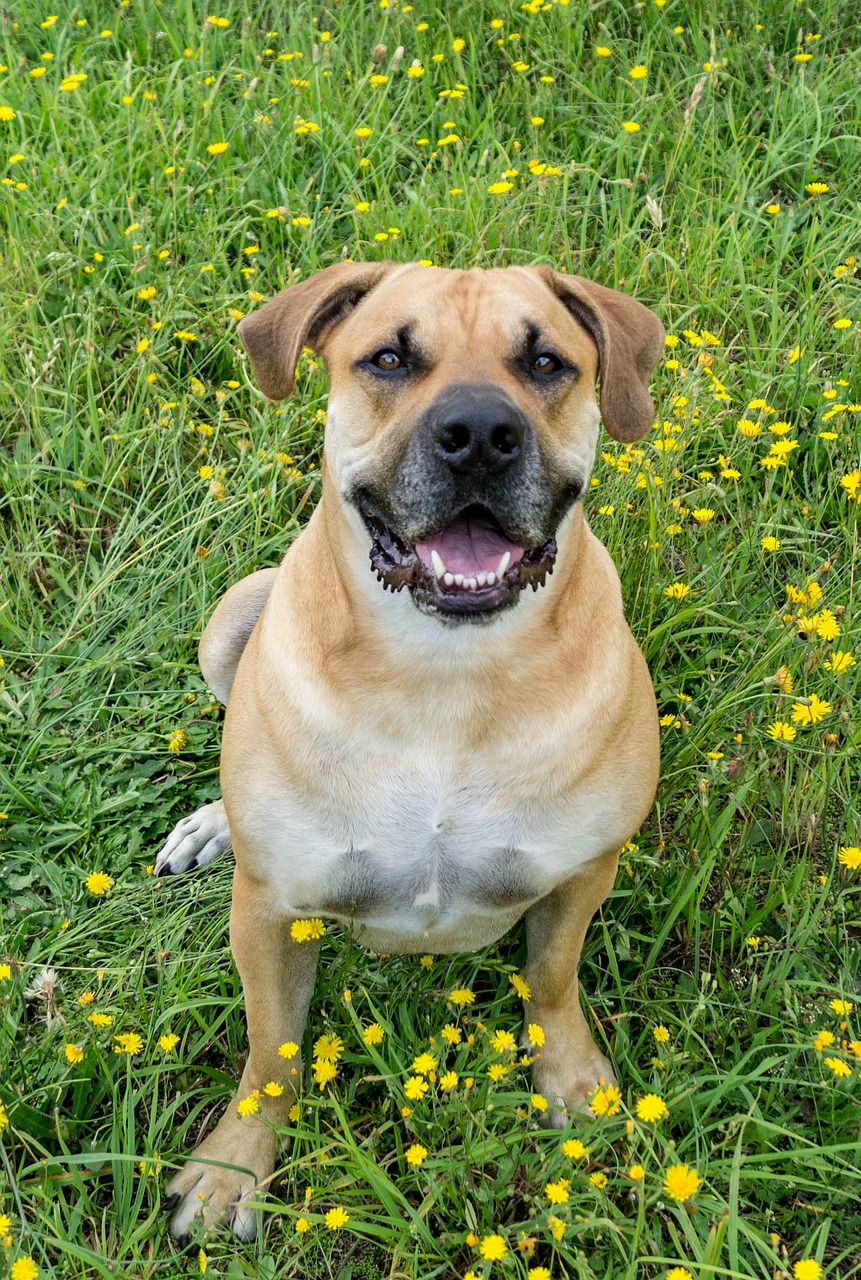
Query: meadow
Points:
[165, 168]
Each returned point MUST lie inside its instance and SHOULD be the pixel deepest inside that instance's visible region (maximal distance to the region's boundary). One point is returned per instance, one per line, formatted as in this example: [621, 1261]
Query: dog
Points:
[438, 720]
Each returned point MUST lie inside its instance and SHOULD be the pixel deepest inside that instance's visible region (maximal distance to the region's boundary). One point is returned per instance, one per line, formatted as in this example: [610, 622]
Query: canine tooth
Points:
[504, 562]
[438, 565]
[458, 579]
[448, 579]
[491, 579]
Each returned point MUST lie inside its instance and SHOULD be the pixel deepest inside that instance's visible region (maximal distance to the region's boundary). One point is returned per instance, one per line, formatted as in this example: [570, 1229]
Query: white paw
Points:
[195, 841]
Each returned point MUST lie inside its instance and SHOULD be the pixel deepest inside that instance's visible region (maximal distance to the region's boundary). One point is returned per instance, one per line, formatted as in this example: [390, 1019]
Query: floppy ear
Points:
[629, 338]
[302, 316]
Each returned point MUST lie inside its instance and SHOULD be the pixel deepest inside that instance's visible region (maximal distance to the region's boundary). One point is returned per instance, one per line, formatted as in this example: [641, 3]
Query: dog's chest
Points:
[448, 852]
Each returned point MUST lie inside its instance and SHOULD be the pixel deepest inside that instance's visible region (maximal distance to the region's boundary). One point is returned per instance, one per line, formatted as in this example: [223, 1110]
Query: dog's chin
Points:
[470, 571]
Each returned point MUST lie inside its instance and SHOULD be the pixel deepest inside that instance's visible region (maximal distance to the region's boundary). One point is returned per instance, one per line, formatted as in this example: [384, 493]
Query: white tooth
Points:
[491, 578]
[503, 564]
[458, 579]
[448, 579]
[437, 562]
[470, 583]
[481, 579]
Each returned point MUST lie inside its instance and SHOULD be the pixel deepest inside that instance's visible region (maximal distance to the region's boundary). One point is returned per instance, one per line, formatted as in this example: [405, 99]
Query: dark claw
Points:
[192, 865]
[186, 1245]
[171, 1202]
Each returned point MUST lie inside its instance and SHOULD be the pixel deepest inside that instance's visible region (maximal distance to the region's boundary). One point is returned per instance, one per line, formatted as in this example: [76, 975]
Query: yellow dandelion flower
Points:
[681, 1182]
[493, 1247]
[129, 1043]
[850, 856]
[328, 1048]
[630, 126]
[415, 1088]
[336, 1218]
[811, 710]
[424, 1064]
[574, 1149]
[503, 1042]
[605, 1100]
[416, 1154]
[677, 590]
[639, 72]
[98, 883]
[781, 731]
[841, 1007]
[816, 188]
[462, 995]
[307, 930]
[651, 1108]
[521, 986]
[807, 1269]
[373, 1033]
[500, 188]
[217, 148]
[168, 1043]
[74, 1053]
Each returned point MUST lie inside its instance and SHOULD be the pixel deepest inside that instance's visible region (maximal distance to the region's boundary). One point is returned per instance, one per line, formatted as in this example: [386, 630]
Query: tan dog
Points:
[428, 763]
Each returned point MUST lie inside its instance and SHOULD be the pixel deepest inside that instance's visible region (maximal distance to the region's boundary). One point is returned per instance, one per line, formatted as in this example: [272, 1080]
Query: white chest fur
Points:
[421, 848]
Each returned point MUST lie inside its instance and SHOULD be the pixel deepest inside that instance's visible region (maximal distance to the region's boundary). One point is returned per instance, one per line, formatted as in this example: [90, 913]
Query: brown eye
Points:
[545, 363]
[387, 360]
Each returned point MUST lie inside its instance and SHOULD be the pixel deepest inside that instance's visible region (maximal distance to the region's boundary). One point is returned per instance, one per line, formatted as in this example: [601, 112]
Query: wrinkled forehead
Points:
[482, 315]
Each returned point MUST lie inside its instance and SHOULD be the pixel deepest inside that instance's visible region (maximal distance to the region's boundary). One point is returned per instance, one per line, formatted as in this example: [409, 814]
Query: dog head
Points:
[463, 416]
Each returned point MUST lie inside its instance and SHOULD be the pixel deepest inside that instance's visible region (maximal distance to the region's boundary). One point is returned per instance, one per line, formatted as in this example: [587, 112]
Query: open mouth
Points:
[470, 567]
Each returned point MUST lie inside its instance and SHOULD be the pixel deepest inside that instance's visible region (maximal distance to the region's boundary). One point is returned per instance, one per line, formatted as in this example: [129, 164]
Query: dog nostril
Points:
[505, 440]
[454, 438]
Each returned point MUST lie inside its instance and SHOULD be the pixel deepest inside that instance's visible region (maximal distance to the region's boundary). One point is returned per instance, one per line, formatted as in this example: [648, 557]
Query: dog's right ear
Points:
[303, 316]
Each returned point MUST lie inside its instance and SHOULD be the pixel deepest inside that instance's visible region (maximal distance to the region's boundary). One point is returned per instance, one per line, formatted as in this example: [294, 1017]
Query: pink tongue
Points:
[471, 544]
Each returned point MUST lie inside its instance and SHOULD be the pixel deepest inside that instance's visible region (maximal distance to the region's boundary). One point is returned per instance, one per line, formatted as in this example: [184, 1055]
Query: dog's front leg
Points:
[277, 979]
[569, 1065]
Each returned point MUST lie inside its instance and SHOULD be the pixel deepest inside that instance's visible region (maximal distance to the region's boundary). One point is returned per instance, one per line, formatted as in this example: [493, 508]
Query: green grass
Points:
[115, 550]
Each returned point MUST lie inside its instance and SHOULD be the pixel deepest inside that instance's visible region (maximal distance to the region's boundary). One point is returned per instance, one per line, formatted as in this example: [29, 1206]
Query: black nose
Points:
[478, 429]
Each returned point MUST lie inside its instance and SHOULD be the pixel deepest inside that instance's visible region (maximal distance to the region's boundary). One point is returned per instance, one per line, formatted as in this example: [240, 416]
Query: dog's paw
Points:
[221, 1180]
[195, 841]
[568, 1082]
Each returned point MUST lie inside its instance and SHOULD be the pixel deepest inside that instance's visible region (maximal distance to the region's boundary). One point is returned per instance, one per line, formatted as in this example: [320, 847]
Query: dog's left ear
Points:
[303, 315]
[629, 338]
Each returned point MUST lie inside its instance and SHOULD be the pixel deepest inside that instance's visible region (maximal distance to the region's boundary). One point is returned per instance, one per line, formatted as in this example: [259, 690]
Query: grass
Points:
[734, 924]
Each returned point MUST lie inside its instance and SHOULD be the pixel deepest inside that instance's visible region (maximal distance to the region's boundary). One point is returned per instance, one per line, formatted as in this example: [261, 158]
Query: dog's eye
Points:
[387, 360]
[546, 363]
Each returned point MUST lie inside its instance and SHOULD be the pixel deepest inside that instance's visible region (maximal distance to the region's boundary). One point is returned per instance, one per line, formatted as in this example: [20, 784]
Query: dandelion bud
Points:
[398, 54]
[378, 54]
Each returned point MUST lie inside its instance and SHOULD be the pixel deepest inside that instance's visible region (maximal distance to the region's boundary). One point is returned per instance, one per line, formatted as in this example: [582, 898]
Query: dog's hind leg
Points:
[204, 835]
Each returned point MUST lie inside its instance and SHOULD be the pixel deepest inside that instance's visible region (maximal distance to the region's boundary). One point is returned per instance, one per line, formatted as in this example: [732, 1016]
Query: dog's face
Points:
[462, 416]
